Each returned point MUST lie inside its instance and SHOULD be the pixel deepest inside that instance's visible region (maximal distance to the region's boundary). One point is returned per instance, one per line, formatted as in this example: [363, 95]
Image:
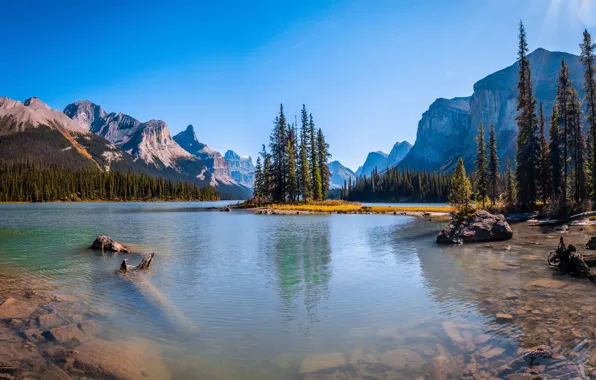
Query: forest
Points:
[36, 182]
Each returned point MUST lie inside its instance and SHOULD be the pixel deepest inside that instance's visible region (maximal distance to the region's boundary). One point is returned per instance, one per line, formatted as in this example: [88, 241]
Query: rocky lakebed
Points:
[537, 324]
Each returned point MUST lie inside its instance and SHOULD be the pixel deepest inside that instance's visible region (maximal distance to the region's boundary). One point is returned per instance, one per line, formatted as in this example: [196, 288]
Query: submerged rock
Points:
[481, 227]
[108, 244]
[320, 362]
[15, 309]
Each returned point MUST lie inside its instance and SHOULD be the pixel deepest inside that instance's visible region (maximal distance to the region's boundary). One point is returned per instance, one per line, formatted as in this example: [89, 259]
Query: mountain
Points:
[398, 152]
[32, 131]
[339, 174]
[373, 160]
[217, 165]
[448, 128]
[242, 169]
[149, 143]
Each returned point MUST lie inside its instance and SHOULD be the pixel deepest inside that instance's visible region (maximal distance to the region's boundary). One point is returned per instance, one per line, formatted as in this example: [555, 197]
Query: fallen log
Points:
[143, 265]
[569, 261]
[558, 222]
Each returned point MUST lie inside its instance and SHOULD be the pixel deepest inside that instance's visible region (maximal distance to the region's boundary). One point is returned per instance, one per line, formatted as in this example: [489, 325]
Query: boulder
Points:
[480, 227]
[108, 244]
[48, 321]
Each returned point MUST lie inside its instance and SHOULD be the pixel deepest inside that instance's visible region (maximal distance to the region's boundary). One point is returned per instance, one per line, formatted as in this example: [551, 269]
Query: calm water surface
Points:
[237, 295]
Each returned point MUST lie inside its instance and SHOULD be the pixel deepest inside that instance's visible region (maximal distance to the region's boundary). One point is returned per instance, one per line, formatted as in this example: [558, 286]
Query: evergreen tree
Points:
[258, 189]
[563, 105]
[527, 136]
[292, 177]
[304, 165]
[481, 164]
[323, 155]
[493, 165]
[278, 146]
[577, 147]
[556, 167]
[544, 171]
[509, 186]
[461, 188]
[588, 59]
[317, 187]
[267, 174]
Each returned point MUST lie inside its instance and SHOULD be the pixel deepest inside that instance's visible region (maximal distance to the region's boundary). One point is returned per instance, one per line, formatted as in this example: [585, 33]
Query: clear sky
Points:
[367, 70]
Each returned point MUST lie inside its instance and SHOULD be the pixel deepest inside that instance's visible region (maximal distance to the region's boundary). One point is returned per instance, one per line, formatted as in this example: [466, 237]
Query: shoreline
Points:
[273, 211]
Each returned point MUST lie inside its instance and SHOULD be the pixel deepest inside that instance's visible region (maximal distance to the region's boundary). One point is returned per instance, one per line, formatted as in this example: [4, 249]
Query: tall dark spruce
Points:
[527, 139]
[588, 59]
[317, 186]
[324, 156]
[563, 91]
[493, 165]
[544, 172]
[304, 164]
[577, 148]
[481, 165]
[555, 157]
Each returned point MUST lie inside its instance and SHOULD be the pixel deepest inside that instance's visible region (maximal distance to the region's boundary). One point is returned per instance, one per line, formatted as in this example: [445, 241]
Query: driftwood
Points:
[569, 261]
[558, 222]
[143, 265]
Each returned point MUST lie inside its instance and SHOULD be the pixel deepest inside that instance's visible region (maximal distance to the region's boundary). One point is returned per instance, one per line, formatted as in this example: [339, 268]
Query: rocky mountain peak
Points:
[231, 155]
[34, 102]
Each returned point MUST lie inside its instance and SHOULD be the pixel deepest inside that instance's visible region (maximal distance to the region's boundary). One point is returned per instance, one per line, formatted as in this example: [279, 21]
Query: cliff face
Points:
[242, 168]
[151, 142]
[398, 153]
[448, 129]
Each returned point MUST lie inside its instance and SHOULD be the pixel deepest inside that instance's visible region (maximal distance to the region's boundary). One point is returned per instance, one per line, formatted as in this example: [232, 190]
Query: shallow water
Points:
[237, 295]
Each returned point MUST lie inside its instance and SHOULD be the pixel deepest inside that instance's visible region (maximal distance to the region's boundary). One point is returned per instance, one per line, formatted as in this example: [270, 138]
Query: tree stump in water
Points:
[568, 261]
[143, 265]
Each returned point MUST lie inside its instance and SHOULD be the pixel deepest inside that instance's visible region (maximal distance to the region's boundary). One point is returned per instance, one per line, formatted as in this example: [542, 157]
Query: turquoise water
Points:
[237, 295]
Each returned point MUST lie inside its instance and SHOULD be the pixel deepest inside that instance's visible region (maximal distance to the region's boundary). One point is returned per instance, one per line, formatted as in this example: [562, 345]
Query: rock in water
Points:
[108, 244]
[481, 227]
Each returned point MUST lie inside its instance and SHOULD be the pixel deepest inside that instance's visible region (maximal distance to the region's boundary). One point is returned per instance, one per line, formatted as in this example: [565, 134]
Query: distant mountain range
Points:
[448, 128]
[339, 174]
[381, 160]
[84, 135]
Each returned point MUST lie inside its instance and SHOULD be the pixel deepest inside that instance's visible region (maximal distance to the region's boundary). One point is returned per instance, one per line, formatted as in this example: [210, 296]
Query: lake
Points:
[243, 296]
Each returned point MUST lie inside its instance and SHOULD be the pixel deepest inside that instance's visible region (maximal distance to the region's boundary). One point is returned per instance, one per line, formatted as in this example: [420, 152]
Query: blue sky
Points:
[367, 70]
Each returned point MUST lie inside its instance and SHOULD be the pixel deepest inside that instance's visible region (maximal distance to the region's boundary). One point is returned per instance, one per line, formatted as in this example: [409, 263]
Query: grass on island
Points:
[335, 206]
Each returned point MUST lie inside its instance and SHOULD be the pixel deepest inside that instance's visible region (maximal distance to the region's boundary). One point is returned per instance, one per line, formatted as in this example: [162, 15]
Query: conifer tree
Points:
[481, 164]
[493, 165]
[509, 186]
[544, 171]
[563, 92]
[292, 178]
[267, 175]
[258, 186]
[556, 166]
[577, 147]
[323, 155]
[527, 137]
[317, 187]
[304, 164]
[461, 188]
[588, 59]
[278, 147]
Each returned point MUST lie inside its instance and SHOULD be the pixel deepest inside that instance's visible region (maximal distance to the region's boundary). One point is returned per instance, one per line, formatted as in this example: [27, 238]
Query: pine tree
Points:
[278, 146]
[493, 165]
[461, 189]
[509, 186]
[577, 148]
[304, 165]
[554, 134]
[258, 186]
[563, 95]
[544, 171]
[317, 188]
[588, 59]
[481, 164]
[527, 136]
[323, 155]
[292, 178]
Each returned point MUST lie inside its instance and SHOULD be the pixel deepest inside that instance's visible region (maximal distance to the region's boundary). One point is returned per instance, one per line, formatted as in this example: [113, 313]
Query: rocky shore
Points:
[47, 336]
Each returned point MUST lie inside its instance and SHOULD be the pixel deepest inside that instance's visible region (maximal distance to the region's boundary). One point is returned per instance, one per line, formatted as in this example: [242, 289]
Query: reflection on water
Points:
[237, 295]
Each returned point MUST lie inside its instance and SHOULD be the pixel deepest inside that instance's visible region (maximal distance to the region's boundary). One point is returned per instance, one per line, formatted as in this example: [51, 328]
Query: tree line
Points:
[295, 167]
[398, 185]
[35, 182]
